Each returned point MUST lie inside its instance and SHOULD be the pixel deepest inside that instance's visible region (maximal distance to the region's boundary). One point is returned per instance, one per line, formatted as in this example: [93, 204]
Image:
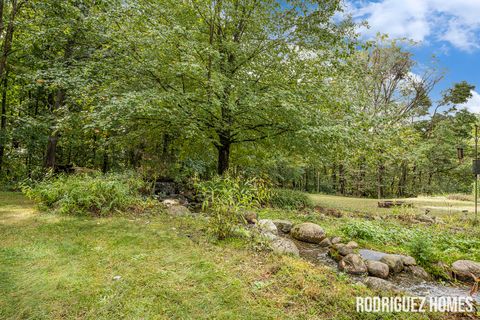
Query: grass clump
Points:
[98, 195]
[290, 199]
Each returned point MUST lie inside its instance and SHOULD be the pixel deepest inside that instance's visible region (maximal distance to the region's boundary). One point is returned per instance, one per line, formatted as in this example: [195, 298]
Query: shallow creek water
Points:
[404, 282]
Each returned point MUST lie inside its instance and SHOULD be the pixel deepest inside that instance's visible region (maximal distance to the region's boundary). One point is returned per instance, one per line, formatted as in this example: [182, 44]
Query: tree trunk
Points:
[3, 122]
[51, 151]
[94, 150]
[342, 180]
[420, 183]
[53, 138]
[361, 178]
[69, 154]
[402, 182]
[223, 156]
[306, 177]
[414, 179]
[380, 188]
[59, 102]
[7, 45]
[334, 178]
[105, 161]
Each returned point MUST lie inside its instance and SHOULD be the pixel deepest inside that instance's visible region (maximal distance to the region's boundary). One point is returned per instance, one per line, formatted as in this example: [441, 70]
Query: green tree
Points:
[236, 71]
[9, 11]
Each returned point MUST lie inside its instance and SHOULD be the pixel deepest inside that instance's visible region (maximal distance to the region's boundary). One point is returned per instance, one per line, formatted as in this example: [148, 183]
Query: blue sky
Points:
[448, 29]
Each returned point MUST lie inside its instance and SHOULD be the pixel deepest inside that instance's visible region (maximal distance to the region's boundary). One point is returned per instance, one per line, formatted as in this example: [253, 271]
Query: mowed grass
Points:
[439, 205]
[155, 267]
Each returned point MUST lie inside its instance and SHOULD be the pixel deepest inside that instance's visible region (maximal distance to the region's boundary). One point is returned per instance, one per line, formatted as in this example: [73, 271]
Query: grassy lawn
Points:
[59, 267]
[438, 206]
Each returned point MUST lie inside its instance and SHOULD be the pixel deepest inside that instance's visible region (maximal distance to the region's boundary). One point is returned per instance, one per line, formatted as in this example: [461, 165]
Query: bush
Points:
[363, 230]
[421, 248]
[87, 195]
[227, 197]
[290, 199]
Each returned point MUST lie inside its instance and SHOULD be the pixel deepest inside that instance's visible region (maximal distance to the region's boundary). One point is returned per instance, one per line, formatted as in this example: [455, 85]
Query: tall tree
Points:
[237, 71]
[9, 11]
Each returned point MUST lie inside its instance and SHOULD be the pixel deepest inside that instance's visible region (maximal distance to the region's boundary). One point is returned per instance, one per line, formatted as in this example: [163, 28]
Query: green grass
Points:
[450, 241]
[63, 267]
[393, 236]
[439, 206]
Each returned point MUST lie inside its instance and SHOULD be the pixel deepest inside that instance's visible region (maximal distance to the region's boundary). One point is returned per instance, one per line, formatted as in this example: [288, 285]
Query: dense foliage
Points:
[426, 245]
[88, 194]
[178, 88]
[290, 199]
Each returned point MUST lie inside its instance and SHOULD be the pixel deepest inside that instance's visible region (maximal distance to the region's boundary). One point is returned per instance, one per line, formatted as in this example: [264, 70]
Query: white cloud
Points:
[473, 104]
[460, 36]
[454, 21]
[397, 18]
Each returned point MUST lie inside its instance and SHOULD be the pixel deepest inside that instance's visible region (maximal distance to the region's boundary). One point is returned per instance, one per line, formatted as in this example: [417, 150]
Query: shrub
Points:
[421, 248]
[290, 199]
[226, 197]
[363, 230]
[85, 194]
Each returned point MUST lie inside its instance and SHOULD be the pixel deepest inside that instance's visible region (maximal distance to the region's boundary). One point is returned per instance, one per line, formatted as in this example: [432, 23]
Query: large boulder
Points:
[466, 269]
[352, 244]
[325, 243]
[170, 202]
[378, 284]
[343, 249]
[284, 246]
[408, 260]
[377, 269]
[267, 226]
[335, 240]
[371, 254]
[269, 236]
[178, 211]
[308, 232]
[353, 264]
[339, 250]
[418, 272]
[283, 225]
[394, 262]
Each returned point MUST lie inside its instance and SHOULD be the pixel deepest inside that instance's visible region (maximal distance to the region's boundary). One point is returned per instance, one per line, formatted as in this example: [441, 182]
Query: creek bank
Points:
[377, 270]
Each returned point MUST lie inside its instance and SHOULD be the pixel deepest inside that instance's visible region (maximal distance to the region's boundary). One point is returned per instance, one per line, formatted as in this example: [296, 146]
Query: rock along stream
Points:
[404, 282]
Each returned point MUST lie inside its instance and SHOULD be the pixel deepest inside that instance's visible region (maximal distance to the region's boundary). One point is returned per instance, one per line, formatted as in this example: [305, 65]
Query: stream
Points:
[404, 282]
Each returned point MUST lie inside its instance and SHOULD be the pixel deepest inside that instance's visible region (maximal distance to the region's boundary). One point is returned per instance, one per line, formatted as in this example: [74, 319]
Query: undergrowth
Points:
[97, 195]
[290, 199]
